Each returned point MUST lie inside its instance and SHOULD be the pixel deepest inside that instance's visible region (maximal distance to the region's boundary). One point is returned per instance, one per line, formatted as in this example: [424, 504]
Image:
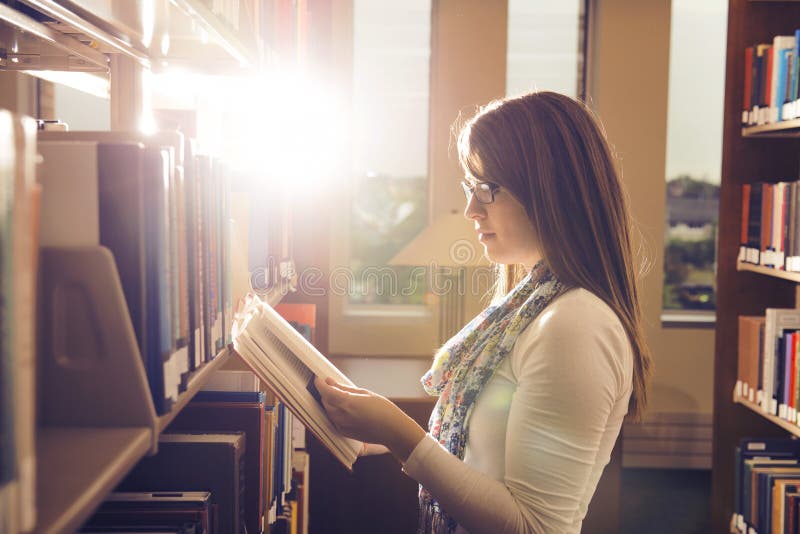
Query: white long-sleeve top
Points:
[542, 429]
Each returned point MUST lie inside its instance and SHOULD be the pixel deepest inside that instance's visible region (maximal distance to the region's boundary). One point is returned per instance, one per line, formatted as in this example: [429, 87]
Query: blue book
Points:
[795, 75]
[159, 324]
[783, 74]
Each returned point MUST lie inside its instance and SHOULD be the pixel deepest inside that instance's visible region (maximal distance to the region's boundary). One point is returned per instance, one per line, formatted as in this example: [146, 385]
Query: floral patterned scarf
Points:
[466, 363]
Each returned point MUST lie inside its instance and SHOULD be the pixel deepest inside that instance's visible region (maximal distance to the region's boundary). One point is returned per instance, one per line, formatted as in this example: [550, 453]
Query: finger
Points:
[350, 389]
[330, 395]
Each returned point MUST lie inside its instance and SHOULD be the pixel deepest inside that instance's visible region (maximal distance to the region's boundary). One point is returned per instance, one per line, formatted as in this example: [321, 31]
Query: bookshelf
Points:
[196, 382]
[89, 463]
[790, 128]
[95, 415]
[783, 423]
[768, 271]
[762, 153]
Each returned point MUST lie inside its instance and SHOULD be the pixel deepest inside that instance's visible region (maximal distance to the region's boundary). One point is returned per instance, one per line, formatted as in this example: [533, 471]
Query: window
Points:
[694, 152]
[391, 66]
[545, 46]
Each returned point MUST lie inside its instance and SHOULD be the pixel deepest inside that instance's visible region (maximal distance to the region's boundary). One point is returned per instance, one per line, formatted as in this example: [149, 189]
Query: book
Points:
[777, 321]
[228, 413]
[197, 462]
[288, 364]
[155, 508]
[750, 350]
[757, 452]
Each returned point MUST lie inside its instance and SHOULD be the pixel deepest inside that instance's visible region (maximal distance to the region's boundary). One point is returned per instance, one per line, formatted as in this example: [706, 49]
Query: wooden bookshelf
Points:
[783, 423]
[89, 462]
[763, 153]
[768, 271]
[789, 128]
[196, 382]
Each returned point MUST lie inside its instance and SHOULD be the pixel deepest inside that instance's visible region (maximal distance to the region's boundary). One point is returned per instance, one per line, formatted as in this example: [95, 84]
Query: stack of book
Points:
[770, 225]
[771, 81]
[766, 487]
[179, 512]
[162, 211]
[768, 370]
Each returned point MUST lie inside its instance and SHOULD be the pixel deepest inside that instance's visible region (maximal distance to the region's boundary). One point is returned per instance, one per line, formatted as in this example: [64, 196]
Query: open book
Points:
[288, 363]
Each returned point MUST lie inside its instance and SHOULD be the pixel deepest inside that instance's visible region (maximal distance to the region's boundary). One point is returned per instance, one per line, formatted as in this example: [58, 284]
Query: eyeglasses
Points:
[483, 191]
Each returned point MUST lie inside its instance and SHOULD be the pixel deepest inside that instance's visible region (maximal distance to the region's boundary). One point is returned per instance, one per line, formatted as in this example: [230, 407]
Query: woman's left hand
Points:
[366, 416]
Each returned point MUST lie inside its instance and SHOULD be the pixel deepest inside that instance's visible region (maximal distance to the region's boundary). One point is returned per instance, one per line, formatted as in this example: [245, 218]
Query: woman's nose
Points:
[474, 210]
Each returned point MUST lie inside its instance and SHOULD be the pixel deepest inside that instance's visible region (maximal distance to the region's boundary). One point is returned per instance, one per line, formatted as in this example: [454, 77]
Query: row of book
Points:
[766, 486]
[768, 370]
[163, 212]
[20, 199]
[224, 465]
[771, 81]
[770, 225]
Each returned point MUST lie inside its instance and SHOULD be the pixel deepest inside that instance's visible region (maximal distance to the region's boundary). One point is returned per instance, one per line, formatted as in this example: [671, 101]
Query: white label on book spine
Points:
[739, 390]
[27, 492]
[198, 348]
[751, 395]
[774, 406]
[782, 411]
[183, 360]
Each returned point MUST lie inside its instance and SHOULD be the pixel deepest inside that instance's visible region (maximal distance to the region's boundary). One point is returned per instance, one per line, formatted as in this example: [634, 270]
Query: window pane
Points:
[391, 65]
[694, 152]
[544, 46]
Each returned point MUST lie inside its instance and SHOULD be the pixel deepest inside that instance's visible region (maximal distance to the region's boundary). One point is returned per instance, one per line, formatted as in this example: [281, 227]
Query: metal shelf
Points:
[32, 45]
[76, 36]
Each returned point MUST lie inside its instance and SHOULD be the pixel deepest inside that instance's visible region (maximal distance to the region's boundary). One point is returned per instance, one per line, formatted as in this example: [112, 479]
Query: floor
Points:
[665, 501]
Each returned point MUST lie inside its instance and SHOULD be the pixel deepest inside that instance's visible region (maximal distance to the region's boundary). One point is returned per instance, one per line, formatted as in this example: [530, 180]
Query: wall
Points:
[628, 84]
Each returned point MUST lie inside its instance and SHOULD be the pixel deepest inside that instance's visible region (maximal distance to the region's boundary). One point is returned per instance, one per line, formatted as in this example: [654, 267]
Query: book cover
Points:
[236, 415]
[197, 462]
[776, 322]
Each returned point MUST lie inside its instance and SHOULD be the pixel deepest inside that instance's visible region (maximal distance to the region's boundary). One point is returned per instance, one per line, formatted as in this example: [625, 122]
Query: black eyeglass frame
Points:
[480, 190]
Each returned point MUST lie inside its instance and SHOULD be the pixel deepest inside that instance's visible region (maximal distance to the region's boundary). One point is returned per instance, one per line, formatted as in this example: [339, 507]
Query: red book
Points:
[766, 222]
[792, 366]
[767, 78]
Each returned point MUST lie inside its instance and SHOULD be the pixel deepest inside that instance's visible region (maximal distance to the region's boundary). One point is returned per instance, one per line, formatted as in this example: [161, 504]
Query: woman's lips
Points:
[484, 236]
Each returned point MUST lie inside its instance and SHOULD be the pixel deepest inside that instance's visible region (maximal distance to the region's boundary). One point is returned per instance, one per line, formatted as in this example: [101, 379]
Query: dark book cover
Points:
[197, 462]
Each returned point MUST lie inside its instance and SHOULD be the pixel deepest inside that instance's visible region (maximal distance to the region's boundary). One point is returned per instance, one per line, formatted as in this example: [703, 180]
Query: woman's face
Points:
[503, 227]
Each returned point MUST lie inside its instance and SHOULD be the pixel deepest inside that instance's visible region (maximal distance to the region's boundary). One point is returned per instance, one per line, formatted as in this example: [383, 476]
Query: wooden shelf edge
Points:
[768, 271]
[196, 382]
[790, 128]
[786, 425]
[78, 467]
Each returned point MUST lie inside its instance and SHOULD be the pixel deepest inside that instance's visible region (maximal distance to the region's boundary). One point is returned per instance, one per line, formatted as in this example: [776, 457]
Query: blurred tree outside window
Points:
[694, 154]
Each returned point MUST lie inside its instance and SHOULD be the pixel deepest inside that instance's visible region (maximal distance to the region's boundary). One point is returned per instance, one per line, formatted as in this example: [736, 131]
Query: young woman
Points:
[533, 391]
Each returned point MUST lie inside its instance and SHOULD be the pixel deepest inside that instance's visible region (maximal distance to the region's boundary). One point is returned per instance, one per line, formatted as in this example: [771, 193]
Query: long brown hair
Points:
[550, 152]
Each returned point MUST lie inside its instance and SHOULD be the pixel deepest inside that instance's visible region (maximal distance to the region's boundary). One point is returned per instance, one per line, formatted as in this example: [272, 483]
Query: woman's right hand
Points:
[373, 449]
